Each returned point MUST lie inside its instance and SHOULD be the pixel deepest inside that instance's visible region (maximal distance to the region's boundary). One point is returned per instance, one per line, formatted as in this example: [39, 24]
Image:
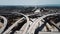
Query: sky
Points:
[28, 2]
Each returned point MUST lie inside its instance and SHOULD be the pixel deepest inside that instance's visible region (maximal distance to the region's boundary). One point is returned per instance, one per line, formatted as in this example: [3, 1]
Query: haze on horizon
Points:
[28, 2]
